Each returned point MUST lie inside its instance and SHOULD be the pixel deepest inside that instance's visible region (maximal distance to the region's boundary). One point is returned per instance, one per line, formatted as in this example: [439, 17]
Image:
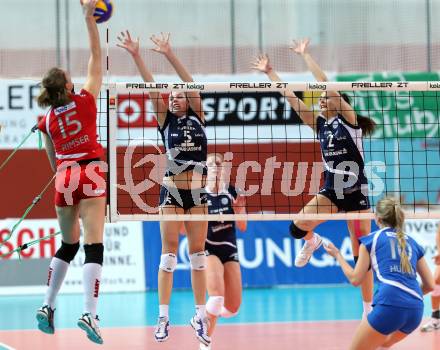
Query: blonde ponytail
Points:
[389, 211]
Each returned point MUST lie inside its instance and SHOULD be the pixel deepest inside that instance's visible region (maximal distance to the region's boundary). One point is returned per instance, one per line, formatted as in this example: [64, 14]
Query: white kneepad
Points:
[214, 305]
[198, 261]
[168, 262]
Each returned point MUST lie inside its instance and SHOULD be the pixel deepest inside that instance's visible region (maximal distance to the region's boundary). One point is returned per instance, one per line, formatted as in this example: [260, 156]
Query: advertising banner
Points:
[266, 252]
[402, 114]
[424, 232]
[19, 112]
[123, 268]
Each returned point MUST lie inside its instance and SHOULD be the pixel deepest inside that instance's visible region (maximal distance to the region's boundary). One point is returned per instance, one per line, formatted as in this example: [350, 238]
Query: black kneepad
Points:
[94, 253]
[296, 232]
[67, 251]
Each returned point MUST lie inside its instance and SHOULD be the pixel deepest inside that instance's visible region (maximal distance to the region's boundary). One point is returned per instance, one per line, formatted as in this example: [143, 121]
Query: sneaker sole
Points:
[200, 339]
[164, 339]
[427, 330]
[161, 340]
[43, 324]
[317, 247]
[90, 332]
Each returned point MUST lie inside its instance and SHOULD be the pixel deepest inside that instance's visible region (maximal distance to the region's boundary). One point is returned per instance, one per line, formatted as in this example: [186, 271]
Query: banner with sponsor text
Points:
[123, 267]
[267, 253]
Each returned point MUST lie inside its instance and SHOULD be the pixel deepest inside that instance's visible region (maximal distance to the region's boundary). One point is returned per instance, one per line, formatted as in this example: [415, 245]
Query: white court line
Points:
[5, 347]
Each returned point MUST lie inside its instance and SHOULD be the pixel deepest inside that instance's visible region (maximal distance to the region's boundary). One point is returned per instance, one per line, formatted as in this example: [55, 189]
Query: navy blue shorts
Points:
[185, 199]
[222, 251]
[387, 319]
[353, 201]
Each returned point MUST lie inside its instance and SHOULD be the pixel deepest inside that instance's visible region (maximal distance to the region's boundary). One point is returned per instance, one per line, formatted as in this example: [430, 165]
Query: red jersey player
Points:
[69, 130]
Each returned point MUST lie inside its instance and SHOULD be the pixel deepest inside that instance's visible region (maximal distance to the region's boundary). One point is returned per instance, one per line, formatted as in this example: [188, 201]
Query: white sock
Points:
[201, 311]
[91, 280]
[313, 240]
[163, 310]
[57, 271]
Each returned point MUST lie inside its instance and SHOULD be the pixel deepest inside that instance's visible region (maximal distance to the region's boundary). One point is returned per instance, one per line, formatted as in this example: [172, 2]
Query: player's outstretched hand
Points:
[331, 249]
[125, 42]
[300, 46]
[89, 7]
[262, 64]
[162, 43]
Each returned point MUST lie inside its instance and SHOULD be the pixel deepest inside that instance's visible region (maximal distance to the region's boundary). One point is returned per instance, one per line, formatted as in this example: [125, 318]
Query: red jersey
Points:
[72, 129]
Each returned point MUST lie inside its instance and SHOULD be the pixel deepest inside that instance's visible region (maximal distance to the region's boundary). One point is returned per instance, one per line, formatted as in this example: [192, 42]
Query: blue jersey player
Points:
[182, 127]
[434, 323]
[339, 131]
[396, 260]
[223, 272]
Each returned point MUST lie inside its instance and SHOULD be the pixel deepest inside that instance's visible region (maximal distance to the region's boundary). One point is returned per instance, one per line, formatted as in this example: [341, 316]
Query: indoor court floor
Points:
[303, 318]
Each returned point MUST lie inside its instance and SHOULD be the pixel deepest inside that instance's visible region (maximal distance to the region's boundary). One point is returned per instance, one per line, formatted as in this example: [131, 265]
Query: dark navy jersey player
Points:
[339, 130]
[184, 138]
[223, 273]
[182, 126]
[396, 260]
[345, 183]
[341, 142]
[221, 240]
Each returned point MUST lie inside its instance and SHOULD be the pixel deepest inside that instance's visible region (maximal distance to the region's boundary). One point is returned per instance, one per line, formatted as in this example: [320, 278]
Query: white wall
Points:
[207, 22]
[347, 35]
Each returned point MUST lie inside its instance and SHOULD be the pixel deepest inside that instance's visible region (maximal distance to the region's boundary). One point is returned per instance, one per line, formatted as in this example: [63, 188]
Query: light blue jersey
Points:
[394, 287]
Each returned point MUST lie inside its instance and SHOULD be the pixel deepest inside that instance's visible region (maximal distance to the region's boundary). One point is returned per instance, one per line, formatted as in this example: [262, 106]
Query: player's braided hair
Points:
[389, 211]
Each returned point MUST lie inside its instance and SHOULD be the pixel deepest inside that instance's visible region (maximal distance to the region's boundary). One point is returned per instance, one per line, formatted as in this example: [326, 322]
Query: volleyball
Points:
[103, 11]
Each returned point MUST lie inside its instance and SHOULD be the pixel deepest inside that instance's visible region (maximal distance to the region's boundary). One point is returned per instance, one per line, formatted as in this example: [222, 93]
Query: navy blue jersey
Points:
[221, 232]
[393, 287]
[342, 154]
[185, 143]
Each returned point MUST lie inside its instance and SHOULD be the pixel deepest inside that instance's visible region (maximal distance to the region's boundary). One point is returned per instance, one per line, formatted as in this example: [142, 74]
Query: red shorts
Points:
[75, 181]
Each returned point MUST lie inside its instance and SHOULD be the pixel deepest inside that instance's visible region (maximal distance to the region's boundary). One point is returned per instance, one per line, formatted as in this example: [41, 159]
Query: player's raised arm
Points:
[163, 46]
[132, 47]
[300, 47]
[262, 64]
[94, 71]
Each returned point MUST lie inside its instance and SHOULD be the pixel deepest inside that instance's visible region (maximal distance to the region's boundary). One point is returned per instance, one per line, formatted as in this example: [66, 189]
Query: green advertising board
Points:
[398, 114]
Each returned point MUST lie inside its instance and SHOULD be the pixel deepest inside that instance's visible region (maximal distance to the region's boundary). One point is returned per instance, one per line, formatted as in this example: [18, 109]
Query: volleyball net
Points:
[271, 156]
